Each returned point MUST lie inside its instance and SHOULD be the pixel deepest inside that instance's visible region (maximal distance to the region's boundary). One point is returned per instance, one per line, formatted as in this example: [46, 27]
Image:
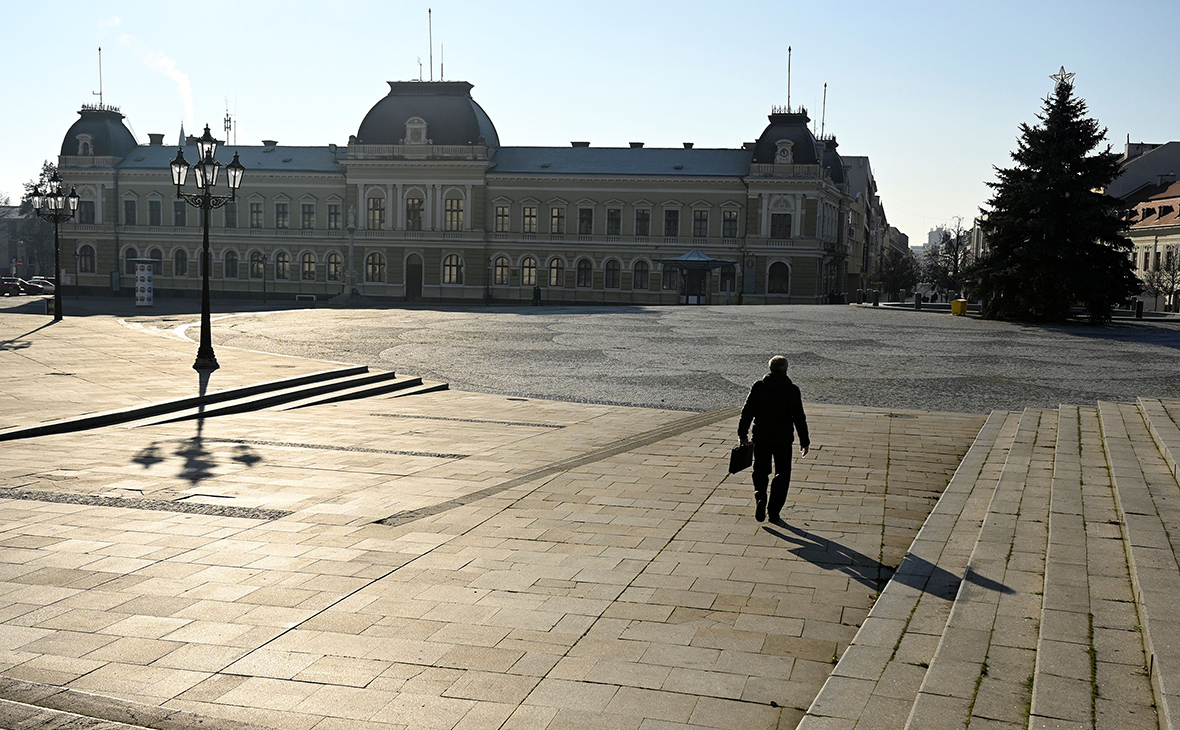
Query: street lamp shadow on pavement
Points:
[198, 460]
[19, 342]
[919, 573]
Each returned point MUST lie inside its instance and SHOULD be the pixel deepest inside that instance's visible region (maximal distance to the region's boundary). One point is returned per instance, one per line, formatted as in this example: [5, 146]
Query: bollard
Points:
[1138, 309]
[860, 296]
[876, 298]
[917, 302]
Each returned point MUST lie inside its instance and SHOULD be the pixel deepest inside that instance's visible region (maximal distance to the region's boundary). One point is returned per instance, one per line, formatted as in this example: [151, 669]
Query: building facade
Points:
[435, 209]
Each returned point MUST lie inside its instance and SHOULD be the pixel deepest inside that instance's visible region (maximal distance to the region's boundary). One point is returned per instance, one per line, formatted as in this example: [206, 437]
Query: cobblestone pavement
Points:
[704, 358]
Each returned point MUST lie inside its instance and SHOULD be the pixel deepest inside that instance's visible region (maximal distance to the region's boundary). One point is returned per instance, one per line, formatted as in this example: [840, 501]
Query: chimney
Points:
[269, 143]
[636, 145]
[155, 140]
[579, 144]
[688, 145]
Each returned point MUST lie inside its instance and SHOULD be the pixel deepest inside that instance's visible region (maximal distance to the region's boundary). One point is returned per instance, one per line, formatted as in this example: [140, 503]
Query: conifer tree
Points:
[1053, 240]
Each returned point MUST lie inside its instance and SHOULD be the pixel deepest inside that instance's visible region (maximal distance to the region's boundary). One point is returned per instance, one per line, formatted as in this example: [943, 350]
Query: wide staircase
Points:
[1043, 591]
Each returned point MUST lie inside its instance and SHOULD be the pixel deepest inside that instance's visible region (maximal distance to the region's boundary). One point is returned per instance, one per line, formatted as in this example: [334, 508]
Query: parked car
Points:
[29, 287]
[47, 285]
[10, 285]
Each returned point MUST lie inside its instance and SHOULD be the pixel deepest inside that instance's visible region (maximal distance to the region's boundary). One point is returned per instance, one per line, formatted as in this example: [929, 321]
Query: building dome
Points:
[99, 133]
[428, 112]
[833, 163]
[788, 131]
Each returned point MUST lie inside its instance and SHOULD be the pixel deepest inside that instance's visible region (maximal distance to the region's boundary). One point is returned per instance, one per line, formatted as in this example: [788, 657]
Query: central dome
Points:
[445, 108]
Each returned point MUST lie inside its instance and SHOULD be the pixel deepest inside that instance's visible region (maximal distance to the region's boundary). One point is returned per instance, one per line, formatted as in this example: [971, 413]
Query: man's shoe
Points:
[777, 520]
[759, 509]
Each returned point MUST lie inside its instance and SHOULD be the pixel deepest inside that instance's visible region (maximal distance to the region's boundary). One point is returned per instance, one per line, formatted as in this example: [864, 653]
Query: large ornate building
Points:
[436, 209]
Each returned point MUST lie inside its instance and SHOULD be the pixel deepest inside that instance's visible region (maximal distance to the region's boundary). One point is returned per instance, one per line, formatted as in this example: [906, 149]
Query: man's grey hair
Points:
[778, 364]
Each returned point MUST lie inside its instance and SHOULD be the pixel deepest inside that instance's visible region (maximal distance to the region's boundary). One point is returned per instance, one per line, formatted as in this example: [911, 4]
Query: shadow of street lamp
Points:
[205, 174]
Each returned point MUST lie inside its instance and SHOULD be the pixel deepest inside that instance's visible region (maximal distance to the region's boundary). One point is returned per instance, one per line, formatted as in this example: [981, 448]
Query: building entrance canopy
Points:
[694, 269]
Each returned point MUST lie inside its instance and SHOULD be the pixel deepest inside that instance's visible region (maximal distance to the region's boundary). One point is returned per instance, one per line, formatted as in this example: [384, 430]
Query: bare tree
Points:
[1163, 280]
[945, 265]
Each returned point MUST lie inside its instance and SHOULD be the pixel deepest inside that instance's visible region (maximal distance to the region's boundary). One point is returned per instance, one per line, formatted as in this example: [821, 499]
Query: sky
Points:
[933, 93]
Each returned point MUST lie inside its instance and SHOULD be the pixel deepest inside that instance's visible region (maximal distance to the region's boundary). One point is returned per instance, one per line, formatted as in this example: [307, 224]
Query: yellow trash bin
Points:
[959, 307]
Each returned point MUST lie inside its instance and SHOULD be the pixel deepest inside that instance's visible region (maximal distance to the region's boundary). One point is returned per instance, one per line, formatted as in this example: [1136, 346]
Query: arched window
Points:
[335, 266]
[229, 268]
[780, 279]
[585, 273]
[452, 269]
[556, 272]
[611, 275]
[257, 265]
[282, 265]
[128, 265]
[307, 266]
[157, 257]
[375, 220]
[642, 274]
[180, 262]
[85, 151]
[500, 270]
[528, 271]
[86, 259]
[374, 267]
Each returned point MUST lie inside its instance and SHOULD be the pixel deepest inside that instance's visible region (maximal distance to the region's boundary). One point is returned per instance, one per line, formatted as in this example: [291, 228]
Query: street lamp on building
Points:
[205, 172]
[55, 206]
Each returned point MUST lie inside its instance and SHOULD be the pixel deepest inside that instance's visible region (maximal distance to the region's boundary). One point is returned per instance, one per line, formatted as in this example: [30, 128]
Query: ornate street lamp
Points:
[205, 173]
[53, 205]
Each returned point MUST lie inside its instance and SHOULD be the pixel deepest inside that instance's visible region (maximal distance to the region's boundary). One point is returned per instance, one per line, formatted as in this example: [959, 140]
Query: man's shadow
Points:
[914, 571]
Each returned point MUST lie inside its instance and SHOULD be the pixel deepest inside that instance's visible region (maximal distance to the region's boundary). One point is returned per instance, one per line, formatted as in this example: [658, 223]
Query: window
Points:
[529, 219]
[180, 262]
[86, 211]
[257, 265]
[307, 216]
[452, 269]
[671, 277]
[414, 210]
[672, 222]
[585, 273]
[129, 217]
[502, 219]
[500, 270]
[229, 266]
[556, 272]
[86, 259]
[1146, 260]
[158, 261]
[282, 265]
[728, 278]
[642, 272]
[614, 221]
[307, 266]
[376, 214]
[231, 215]
[643, 223]
[557, 219]
[131, 253]
[585, 221]
[780, 279]
[179, 213]
[729, 223]
[612, 274]
[256, 215]
[453, 215]
[155, 213]
[780, 225]
[333, 216]
[374, 267]
[335, 266]
[700, 224]
[528, 271]
[282, 215]
[1157, 261]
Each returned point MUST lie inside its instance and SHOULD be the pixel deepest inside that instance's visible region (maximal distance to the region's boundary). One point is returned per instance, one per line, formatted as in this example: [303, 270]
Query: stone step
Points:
[1147, 497]
[875, 682]
[980, 669]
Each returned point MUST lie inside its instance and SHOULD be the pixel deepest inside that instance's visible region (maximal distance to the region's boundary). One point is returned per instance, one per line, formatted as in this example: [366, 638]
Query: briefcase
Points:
[741, 456]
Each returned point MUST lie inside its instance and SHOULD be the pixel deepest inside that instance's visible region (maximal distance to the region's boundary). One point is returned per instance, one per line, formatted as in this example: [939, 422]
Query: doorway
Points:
[413, 278]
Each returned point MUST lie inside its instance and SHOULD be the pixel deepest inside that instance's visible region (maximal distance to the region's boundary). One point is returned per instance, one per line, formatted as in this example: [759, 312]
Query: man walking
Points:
[776, 408]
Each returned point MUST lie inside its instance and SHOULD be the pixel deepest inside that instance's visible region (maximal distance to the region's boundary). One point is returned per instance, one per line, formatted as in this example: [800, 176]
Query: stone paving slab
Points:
[628, 588]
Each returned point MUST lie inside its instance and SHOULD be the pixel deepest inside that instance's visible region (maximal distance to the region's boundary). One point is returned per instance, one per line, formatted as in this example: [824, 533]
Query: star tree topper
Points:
[1061, 77]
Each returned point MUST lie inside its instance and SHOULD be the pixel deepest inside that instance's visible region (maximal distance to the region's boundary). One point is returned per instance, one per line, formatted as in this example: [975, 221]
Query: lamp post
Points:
[205, 174]
[53, 205]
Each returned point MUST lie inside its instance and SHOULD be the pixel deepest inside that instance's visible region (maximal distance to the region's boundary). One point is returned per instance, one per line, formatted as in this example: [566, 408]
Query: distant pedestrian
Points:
[536, 295]
[775, 406]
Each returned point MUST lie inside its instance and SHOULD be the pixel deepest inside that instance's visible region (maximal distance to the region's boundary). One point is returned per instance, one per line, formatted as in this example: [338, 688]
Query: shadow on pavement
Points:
[18, 342]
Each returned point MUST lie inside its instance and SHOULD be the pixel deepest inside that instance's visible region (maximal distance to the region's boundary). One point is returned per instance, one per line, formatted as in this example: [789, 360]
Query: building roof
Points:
[792, 126]
[452, 117]
[621, 161]
[109, 137]
[1154, 205]
[253, 158]
[1148, 168]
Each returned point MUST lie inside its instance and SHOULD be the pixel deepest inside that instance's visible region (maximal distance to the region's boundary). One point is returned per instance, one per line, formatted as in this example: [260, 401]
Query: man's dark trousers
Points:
[780, 451]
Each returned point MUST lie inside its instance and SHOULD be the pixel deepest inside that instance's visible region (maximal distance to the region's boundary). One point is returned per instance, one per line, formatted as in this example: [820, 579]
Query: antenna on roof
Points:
[788, 79]
[99, 92]
[824, 112]
[442, 62]
[430, 36]
[419, 68]
[228, 122]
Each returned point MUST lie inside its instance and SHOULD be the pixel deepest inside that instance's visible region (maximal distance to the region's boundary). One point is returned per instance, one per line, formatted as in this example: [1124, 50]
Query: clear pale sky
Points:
[931, 92]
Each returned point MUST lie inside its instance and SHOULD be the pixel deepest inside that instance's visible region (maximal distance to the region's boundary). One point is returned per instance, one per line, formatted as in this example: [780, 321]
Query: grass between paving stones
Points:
[1093, 675]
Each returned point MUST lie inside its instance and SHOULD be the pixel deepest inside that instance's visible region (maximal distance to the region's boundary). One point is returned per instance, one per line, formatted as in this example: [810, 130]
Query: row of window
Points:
[614, 221]
[155, 214]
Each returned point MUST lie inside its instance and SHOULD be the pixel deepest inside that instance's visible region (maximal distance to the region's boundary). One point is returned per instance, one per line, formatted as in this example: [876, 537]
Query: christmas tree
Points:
[1054, 239]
